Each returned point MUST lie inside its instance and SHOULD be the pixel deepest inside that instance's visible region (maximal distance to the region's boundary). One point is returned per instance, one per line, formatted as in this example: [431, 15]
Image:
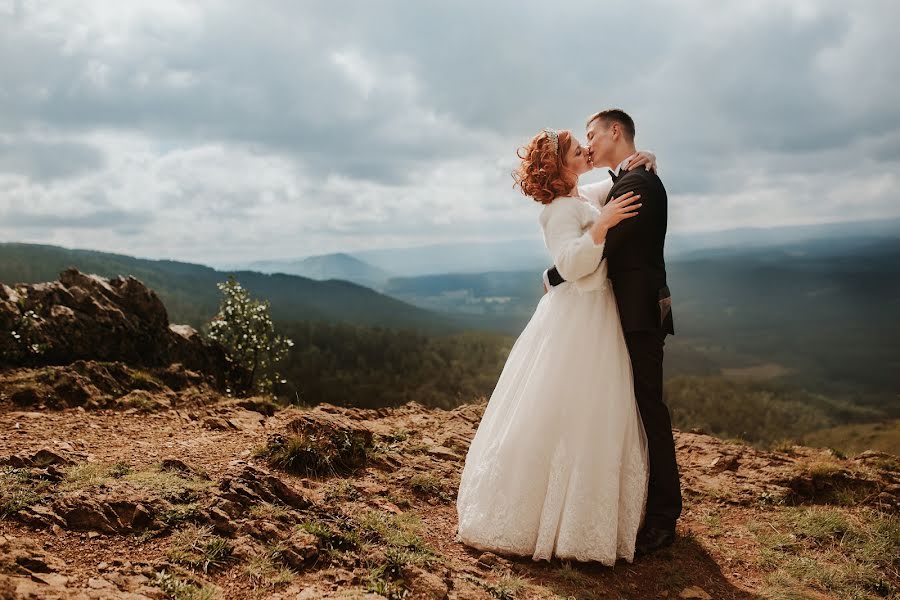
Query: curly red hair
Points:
[543, 174]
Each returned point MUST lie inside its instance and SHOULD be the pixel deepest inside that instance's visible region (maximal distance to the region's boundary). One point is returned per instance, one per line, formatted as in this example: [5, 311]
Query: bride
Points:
[558, 466]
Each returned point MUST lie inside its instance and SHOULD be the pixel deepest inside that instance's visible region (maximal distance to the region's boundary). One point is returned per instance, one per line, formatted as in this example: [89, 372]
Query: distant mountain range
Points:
[822, 314]
[327, 266]
[374, 268]
[190, 294]
[815, 307]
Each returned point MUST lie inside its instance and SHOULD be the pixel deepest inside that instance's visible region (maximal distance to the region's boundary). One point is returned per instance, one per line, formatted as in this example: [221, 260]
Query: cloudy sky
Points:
[222, 132]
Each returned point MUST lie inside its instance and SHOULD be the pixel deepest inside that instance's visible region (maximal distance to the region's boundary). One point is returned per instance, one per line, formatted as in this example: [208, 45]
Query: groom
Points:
[634, 255]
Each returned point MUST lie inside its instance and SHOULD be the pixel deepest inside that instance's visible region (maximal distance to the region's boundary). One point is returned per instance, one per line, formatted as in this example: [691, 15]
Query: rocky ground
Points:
[121, 480]
[191, 494]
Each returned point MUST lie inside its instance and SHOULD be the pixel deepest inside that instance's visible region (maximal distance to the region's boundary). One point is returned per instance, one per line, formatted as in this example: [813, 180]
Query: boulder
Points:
[89, 317]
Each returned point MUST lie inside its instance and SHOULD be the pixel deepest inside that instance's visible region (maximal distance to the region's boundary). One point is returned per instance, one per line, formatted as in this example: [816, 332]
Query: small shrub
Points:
[245, 330]
[316, 454]
[25, 344]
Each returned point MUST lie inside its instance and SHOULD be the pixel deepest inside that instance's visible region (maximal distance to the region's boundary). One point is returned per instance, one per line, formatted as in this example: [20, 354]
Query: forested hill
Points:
[190, 294]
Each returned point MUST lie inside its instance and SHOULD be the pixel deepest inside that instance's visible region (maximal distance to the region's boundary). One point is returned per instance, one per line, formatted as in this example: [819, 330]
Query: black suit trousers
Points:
[664, 493]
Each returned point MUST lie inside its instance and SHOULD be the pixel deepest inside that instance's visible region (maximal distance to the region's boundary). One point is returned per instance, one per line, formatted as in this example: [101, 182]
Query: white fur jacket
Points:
[566, 223]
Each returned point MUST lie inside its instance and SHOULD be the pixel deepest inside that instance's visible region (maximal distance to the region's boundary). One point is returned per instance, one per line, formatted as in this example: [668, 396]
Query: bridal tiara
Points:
[553, 136]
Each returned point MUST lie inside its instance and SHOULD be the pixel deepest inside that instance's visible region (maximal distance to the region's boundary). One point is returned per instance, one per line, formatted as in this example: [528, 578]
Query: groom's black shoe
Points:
[653, 538]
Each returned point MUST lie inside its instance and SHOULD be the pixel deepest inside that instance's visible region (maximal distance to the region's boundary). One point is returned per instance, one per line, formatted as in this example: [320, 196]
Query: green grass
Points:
[266, 570]
[401, 531]
[714, 522]
[179, 589]
[571, 574]
[852, 554]
[19, 488]
[180, 513]
[141, 380]
[836, 484]
[266, 510]
[394, 437]
[341, 490]
[427, 484]
[336, 533]
[198, 548]
[355, 539]
[508, 587]
[398, 501]
[90, 474]
[168, 485]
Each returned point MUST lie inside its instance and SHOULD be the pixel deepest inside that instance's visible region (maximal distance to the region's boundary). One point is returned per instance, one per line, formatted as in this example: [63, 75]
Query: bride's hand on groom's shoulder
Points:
[642, 158]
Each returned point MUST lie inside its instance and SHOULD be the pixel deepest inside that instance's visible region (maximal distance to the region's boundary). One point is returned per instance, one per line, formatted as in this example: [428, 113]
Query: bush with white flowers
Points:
[25, 332]
[245, 329]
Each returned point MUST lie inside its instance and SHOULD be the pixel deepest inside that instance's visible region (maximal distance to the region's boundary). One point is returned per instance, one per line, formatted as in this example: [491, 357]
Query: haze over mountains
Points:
[374, 268]
[327, 266]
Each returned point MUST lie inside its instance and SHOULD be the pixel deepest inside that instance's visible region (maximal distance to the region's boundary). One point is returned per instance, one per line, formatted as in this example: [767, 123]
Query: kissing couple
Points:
[574, 456]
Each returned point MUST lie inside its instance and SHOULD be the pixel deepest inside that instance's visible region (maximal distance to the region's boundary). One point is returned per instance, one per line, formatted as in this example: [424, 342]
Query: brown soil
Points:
[711, 558]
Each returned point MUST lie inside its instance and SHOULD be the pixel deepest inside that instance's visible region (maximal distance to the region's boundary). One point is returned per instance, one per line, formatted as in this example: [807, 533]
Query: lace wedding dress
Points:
[558, 465]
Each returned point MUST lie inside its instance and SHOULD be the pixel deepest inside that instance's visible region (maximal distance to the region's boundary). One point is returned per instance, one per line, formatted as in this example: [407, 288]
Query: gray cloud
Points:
[298, 128]
[118, 219]
[46, 161]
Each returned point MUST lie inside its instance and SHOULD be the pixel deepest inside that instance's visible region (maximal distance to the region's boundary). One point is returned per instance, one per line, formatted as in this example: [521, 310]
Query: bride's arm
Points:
[577, 252]
[574, 253]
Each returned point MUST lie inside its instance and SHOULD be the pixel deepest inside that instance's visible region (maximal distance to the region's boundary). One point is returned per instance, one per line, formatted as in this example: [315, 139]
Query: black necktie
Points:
[614, 176]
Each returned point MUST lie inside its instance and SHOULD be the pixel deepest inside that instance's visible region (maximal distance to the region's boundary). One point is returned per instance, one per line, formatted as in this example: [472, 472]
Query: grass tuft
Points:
[198, 548]
[427, 484]
[315, 455]
[178, 589]
[266, 570]
[19, 488]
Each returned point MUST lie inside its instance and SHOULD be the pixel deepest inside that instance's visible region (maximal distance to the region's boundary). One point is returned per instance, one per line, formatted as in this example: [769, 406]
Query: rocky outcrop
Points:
[94, 385]
[88, 317]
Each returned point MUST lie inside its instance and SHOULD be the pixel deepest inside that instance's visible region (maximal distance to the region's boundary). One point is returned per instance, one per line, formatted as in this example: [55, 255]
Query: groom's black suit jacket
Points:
[634, 255]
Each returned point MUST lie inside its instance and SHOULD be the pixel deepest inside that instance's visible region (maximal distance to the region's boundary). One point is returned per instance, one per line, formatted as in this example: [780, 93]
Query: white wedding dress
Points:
[558, 465]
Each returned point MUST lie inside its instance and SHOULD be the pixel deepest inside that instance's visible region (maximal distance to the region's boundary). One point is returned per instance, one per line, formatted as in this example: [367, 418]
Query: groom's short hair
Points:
[615, 115]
